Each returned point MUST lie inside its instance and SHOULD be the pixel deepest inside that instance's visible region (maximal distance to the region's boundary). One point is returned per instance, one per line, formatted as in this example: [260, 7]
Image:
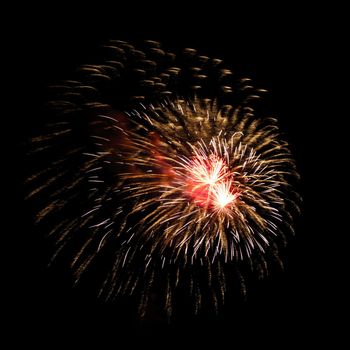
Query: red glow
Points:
[210, 182]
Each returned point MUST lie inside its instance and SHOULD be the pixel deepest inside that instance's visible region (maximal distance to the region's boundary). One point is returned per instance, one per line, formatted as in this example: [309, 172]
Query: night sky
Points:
[280, 49]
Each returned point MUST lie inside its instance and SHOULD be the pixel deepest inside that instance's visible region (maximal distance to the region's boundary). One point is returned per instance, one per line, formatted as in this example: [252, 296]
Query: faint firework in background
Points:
[162, 172]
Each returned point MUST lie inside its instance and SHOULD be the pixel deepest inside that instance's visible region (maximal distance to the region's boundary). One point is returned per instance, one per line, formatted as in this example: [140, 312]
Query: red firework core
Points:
[210, 181]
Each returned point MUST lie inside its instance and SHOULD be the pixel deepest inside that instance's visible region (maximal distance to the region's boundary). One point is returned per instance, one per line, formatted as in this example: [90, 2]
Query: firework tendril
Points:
[160, 169]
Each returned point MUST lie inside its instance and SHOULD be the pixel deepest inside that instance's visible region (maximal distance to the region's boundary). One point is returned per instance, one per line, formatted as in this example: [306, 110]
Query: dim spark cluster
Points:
[163, 175]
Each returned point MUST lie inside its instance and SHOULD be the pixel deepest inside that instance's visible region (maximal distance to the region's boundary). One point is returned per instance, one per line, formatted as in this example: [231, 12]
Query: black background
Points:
[281, 48]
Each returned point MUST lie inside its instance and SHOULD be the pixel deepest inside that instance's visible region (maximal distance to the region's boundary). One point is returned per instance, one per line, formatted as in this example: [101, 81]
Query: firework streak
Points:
[160, 170]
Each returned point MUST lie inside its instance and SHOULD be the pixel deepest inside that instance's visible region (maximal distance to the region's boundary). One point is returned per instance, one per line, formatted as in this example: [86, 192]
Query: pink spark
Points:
[210, 181]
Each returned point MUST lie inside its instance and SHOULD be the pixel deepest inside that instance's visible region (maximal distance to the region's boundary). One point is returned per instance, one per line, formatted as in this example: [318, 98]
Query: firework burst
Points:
[173, 192]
